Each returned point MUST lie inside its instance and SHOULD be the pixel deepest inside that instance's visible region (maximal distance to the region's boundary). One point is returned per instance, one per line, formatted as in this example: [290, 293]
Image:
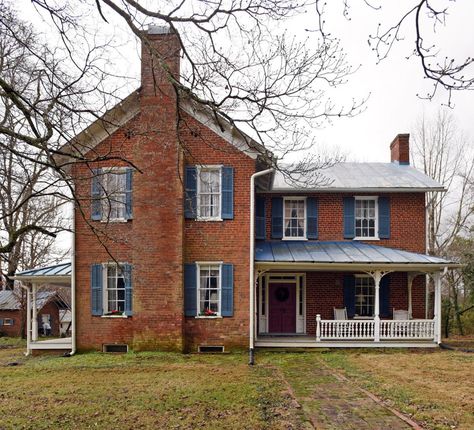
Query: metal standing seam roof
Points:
[362, 177]
[10, 301]
[63, 269]
[344, 252]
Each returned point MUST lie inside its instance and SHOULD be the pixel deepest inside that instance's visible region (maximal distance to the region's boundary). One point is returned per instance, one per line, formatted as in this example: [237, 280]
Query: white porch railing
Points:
[366, 329]
[407, 329]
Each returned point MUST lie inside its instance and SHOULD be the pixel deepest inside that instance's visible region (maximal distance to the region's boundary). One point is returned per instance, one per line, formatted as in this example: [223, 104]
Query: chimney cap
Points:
[158, 29]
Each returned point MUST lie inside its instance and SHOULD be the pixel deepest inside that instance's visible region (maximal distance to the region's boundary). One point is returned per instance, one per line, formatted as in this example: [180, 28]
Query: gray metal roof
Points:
[361, 177]
[63, 269]
[10, 300]
[344, 252]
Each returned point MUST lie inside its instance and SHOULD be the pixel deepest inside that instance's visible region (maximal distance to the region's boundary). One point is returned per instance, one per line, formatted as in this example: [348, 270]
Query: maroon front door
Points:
[282, 308]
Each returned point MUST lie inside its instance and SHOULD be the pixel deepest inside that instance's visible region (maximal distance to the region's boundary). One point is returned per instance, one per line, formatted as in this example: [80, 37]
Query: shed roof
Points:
[363, 177]
[343, 253]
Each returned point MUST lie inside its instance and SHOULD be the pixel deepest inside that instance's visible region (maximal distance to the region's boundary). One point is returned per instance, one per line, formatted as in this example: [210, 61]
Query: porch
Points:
[351, 295]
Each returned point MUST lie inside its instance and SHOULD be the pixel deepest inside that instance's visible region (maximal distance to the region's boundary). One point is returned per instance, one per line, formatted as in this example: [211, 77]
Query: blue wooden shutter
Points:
[190, 195]
[349, 217]
[260, 218]
[312, 217]
[277, 217]
[190, 290]
[349, 295]
[96, 195]
[227, 290]
[96, 289]
[384, 217]
[1, 321]
[128, 193]
[227, 192]
[385, 297]
[127, 273]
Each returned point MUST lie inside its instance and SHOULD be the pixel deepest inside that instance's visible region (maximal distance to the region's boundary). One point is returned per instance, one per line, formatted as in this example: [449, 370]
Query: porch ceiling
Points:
[343, 255]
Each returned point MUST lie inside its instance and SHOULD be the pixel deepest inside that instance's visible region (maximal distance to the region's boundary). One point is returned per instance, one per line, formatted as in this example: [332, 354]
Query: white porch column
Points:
[411, 277]
[437, 306]
[318, 328]
[28, 321]
[377, 277]
[34, 322]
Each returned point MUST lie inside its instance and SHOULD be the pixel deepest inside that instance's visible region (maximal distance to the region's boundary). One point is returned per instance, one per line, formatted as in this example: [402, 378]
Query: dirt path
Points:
[330, 401]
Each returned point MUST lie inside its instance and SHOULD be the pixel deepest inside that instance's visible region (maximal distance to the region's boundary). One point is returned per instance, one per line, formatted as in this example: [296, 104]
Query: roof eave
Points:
[51, 279]
[356, 190]
[362, 267]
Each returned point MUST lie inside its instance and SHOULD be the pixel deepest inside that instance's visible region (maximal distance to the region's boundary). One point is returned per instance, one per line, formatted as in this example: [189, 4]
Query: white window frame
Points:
[218, 217]
[376, 226]
[305, 233]
[105, 297]
[105, 199]
[9, 320]
[357, 316]
[200, 264]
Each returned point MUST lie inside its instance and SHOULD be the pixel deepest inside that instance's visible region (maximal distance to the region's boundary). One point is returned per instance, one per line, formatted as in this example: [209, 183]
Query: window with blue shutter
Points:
[312, 218]
[227, 290]
[96, 195]
[349, 295]
[96, 289]
[384, 293]
[277, 217]
[349, 217]
[127, 273]
[190, 195]
[260, 227]
[190, 290]
[227, 192]
[384, 217]
[128, 193]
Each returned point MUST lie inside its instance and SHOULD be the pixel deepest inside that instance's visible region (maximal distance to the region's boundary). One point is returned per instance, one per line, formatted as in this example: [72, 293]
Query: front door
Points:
[282, 308]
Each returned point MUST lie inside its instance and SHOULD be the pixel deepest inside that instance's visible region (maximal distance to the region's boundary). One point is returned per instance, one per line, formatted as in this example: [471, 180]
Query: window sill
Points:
[209, 219]
[114, 316]
[204, 317]
[118, 220]
[294, 238]
[366, 238]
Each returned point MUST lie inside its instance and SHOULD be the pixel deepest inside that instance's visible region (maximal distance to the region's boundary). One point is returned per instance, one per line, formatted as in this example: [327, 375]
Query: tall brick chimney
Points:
[154, 78]
[400, 149]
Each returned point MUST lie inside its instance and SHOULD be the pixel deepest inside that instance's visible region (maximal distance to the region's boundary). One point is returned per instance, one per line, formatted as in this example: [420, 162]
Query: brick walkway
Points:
[330, 402]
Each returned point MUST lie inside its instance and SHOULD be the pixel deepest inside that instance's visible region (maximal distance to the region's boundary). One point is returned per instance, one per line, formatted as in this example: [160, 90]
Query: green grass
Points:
[142, 390]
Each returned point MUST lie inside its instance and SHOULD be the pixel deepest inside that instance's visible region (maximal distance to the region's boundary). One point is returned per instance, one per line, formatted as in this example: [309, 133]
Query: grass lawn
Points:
[164, 390]
[142, 390]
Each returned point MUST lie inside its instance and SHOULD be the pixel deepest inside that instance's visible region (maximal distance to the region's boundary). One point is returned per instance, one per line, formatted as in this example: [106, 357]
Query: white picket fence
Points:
[366, 329]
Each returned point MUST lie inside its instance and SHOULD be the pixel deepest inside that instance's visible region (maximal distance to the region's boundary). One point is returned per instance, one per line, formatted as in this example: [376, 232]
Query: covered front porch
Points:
[346, 294]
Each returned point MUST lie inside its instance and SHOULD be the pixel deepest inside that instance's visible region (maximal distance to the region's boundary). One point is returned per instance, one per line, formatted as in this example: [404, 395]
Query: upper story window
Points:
[364, 296]
[294, 218]
[209, 193]
[366, 221]
[115, 187]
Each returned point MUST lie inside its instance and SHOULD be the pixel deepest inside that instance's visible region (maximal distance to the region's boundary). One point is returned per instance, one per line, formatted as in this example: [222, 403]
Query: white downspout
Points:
[28, 321]
[73, 283]
[252, 262]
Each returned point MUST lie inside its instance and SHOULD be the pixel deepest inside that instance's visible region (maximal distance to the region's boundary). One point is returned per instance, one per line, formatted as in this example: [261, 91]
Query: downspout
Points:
[252, 262]
[73, 283]
[28, 320]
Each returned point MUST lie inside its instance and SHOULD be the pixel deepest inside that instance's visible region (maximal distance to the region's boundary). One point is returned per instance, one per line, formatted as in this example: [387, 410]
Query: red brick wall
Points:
[400, 149]
[407, 230]
[226, 241]
[11, 330]
[324, 292]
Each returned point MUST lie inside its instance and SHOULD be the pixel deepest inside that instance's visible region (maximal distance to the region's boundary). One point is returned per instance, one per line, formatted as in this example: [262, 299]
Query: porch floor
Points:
[59, 343]
[304, 341]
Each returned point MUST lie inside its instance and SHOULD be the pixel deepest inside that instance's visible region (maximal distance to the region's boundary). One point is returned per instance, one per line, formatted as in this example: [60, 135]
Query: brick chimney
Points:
[400, 149]
[154, 78]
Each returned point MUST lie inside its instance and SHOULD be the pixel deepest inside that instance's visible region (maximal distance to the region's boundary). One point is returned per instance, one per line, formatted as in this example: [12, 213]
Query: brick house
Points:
[173, 263]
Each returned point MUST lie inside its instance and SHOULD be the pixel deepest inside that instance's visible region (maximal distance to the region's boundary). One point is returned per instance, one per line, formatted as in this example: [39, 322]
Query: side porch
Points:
[347, 303]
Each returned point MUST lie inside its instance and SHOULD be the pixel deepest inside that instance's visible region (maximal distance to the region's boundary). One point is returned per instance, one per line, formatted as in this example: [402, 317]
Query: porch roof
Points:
[56, 274]
[344, 255]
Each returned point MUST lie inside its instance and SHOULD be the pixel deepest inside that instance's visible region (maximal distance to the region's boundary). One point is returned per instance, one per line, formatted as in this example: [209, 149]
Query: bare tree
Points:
[441, 152]
[424, 19]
